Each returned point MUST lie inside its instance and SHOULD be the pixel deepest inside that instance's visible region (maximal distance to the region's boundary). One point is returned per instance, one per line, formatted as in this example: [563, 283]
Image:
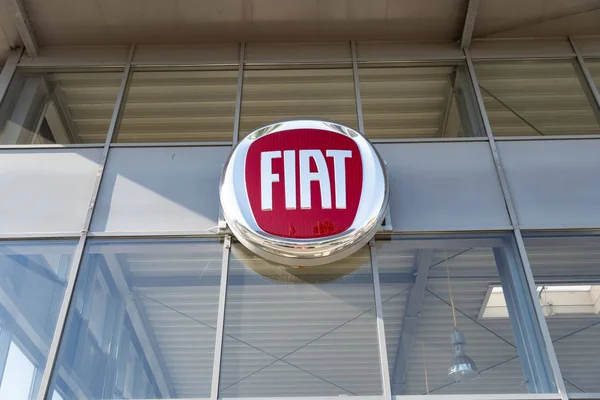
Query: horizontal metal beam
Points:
[522, 396]
[241, 280]
[111, 58]
[411, 319]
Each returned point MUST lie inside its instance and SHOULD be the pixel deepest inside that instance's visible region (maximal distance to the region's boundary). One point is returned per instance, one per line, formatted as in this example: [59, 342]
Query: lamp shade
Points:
[462, 367]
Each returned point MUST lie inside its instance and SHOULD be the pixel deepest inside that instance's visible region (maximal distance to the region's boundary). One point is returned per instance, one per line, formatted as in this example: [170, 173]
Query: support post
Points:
[529, 341]
[359, 112]
[238, 95]
[410, 321]
[383, 358]
[23, 25]
[469, 25]
[214, 393]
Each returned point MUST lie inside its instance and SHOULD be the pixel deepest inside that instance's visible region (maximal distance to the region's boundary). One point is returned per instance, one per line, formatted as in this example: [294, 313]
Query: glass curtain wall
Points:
[142, 322]
[143, 318]
[522, 98]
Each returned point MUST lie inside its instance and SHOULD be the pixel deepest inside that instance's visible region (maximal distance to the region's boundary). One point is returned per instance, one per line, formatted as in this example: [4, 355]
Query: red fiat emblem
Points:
[304, 183]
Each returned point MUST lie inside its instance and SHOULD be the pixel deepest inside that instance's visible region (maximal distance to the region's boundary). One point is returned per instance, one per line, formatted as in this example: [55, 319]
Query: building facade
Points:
[119, 278]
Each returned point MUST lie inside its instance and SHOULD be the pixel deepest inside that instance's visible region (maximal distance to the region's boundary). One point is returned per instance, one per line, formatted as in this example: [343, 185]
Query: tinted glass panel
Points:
[59, 107]
[299, 331]
[566, 270]
[33, 277]
[273, 95]
[179, 106]
[17, 381]
[143, 321]
[417, 102]
[421, 280]
[536, 98]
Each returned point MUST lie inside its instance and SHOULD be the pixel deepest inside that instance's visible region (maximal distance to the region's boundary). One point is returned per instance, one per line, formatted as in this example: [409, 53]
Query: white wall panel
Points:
[554, 183]
[46, 190]
[160, 189]
[443, 187]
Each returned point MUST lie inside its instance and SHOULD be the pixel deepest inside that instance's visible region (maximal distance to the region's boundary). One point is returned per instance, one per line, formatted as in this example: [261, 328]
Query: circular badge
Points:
[304, 192]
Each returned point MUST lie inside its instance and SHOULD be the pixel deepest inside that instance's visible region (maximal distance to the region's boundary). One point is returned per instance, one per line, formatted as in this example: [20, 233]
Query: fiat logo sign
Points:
[304, 192]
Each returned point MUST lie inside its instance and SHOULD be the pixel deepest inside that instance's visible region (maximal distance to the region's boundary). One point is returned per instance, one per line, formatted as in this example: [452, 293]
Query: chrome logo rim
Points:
[239, 215]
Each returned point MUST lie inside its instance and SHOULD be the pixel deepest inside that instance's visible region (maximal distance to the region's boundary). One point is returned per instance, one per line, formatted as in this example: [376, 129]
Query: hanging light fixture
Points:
[462, 367]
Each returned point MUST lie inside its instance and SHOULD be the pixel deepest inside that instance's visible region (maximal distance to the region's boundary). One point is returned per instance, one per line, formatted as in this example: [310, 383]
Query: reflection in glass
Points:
[58, 107]
[179, 106]
[17, 381]
[142, 323]
[33, 277]
[566, 270]
[417, 102]
[274, 95]
[536, 98]
[299, 331]
[417, 298]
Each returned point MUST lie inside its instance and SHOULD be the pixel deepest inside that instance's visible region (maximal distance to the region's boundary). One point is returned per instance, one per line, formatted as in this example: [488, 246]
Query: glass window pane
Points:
[143, 321]
[17, 380]
[179, 106]
[33, 277]
[416, 102]
[58, 107]
[299, 331]
[563, 265]
[274, 95]
[535, 98]
[420, 351]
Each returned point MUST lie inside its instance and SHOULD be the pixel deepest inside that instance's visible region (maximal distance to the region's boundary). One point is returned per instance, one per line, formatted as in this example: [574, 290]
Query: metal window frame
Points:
[79, 251]
[522, 253]
[238, 95]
